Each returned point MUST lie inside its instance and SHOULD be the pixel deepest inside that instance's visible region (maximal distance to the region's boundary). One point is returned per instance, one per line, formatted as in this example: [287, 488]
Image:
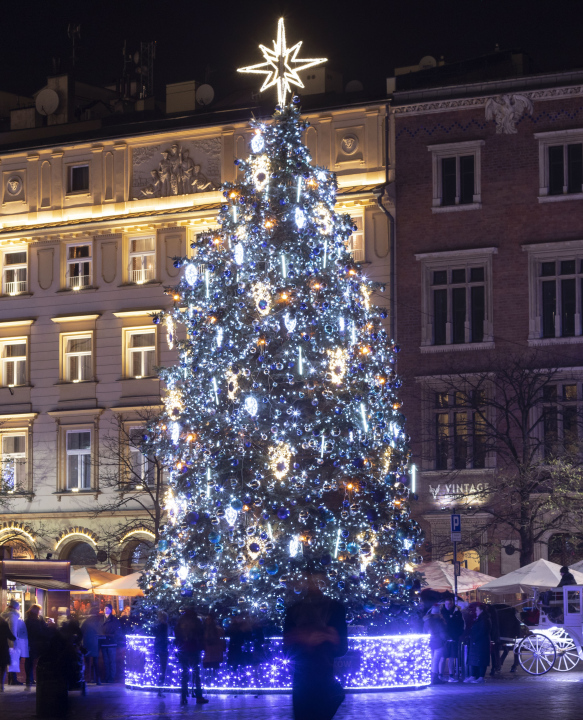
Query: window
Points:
[78, 362]
[78, 266]
[143, 468]
[13, 353]
[459, 432]
[78, 178]
[556, 292]
[561, 419]
[560, 165]
[141, 353]
[457, 298]
[356, 242]
[142, 259]
[456, 176]
[14, 276]
[13, 465]
[78, 450]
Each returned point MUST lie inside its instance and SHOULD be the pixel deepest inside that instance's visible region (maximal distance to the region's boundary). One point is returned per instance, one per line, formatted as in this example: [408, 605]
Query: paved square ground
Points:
[514, 697]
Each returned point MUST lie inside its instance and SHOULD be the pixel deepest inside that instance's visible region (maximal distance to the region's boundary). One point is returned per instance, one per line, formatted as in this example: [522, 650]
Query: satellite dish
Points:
[205, 95]
[47, 101]
[354, 86]
[427, 62]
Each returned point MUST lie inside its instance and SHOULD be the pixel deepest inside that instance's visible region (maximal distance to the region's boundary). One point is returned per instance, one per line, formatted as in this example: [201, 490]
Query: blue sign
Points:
[456, 528]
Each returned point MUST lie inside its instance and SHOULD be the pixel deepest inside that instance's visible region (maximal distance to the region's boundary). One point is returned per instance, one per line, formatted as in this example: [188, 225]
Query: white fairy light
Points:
[238, 253]
[325, 253]
[364, 421]
[294, 546]
[341, 324]
[206, 279]
[175, 432]
[251, 405]
[208, 482]
[191, 274]
[337, 543]
[290, 322]
[183, 572]
[257, 142]
[231, 516]
[301, 364]
[299, 190]
[300, 218]
[216, 390]
[283, 266]
[219, 337]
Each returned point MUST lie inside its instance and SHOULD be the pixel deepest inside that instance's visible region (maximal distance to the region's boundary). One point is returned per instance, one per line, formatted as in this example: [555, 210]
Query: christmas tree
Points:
[282, 429]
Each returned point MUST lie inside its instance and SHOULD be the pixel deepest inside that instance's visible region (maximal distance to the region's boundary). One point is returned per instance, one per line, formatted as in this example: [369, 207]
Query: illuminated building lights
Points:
[377, 662]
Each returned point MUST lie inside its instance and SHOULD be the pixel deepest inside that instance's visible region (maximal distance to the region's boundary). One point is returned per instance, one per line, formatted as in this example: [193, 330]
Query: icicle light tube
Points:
[372, 663]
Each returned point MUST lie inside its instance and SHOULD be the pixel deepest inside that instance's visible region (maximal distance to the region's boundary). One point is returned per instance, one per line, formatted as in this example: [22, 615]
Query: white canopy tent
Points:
[91, 578]
[541, 574]
[126, 586]
[440, 576]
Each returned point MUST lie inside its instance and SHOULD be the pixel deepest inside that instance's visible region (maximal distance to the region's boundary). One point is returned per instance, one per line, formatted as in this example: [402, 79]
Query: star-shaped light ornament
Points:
[282, 65]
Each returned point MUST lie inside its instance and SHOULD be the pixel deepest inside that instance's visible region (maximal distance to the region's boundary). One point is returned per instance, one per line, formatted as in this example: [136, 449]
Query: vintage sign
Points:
[443, 491]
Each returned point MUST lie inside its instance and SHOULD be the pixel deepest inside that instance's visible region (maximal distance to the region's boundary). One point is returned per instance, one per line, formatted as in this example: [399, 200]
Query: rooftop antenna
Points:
[74, 33]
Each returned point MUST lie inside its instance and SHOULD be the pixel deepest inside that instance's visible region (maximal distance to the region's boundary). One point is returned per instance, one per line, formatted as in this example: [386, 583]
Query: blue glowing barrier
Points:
[382, 662]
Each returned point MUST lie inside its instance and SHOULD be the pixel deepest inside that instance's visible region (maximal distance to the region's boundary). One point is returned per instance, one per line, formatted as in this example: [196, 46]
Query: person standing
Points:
[161, 648]
[110, 630]
[90, 630]
[12, 617]
[37, 631]
[454, 626]
[434, 624]
[315, 633]
[567, 577]
[189, 644]
[479, 651]
[6, 637]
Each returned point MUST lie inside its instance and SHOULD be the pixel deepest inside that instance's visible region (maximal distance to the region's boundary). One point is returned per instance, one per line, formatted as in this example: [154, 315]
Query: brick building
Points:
[489, 263]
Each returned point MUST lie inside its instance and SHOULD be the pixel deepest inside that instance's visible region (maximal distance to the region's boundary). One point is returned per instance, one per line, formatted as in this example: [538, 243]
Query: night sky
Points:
[207, 41]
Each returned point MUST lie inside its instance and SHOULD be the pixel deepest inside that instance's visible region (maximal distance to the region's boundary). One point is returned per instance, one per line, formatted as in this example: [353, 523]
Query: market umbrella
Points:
[541, 574]
[578, 566]
[90, 578]
[126, 586]
[440, 576]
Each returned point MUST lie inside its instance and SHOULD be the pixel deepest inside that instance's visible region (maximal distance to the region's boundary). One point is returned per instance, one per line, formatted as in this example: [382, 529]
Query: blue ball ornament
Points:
[254, 574]
[369, 607]
[162, 545]
[352, 548]
[254, 547]
[272, 569]
[214, 536]
[283, 513]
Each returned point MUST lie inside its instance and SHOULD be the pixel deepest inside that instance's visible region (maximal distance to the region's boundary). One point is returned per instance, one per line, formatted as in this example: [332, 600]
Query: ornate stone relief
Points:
[183, 169]
[506, 110]
[13, 186]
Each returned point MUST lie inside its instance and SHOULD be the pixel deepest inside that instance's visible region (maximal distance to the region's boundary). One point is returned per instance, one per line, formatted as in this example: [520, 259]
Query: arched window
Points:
[82, 553]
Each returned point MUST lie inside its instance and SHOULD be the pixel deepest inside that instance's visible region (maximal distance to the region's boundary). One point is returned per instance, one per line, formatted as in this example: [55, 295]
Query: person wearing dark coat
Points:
[161, 647]
[189, 644]
[110, 631]
[566, 577]
[315, 633]
[90, 630]
[454, 625]
[479, 650]
[38, 637]
[434, 625]
[5, 636]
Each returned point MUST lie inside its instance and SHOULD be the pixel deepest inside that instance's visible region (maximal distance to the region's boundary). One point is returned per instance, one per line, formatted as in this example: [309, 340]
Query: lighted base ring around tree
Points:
[372, 664]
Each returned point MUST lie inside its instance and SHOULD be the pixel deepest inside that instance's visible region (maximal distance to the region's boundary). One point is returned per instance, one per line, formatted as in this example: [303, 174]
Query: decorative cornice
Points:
[471, 103]
[136, 313]
[75, 318]
[16, 323]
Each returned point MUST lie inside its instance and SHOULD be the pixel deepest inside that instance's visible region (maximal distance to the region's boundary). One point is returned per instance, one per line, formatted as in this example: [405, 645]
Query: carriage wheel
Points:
[567, 653]
[536, 654]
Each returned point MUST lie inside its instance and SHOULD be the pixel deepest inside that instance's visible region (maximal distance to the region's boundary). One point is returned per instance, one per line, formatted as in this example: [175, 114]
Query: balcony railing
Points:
[79, 281]
[15, 288]
[141, 276]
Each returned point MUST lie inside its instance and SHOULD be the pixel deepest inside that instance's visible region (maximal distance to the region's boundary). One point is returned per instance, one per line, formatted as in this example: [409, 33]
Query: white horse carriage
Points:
[555, 643]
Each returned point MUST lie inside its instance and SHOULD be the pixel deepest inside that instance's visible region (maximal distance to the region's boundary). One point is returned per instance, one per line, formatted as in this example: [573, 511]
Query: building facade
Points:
[92, 216]
[489, 264]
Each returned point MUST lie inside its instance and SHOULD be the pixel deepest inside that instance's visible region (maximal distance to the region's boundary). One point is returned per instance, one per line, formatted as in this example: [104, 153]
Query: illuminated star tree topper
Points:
[282, 65]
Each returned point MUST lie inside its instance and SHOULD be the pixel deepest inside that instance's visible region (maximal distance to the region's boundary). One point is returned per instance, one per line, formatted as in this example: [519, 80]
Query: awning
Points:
[44, 583]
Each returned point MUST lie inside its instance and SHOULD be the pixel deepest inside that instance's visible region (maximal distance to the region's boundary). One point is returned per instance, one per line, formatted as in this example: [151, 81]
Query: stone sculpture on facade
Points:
[177, 174]
[506, 110]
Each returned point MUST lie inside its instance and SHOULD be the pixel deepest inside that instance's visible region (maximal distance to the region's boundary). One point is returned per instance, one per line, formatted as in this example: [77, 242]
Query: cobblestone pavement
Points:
[517, 697]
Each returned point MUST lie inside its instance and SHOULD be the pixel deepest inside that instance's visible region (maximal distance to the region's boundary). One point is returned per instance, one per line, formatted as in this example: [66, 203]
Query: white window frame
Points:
[358, 250]
[17, 359]
[545, 140]
[129, 351]
[448, 260]
[146, 469]
[16, 287]
[79, 453]
[75, 282]
[142, 275]
[560, 402]
[457, 150]
[552, 252]
[70, 169]
[68, 376]
[18, 461]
